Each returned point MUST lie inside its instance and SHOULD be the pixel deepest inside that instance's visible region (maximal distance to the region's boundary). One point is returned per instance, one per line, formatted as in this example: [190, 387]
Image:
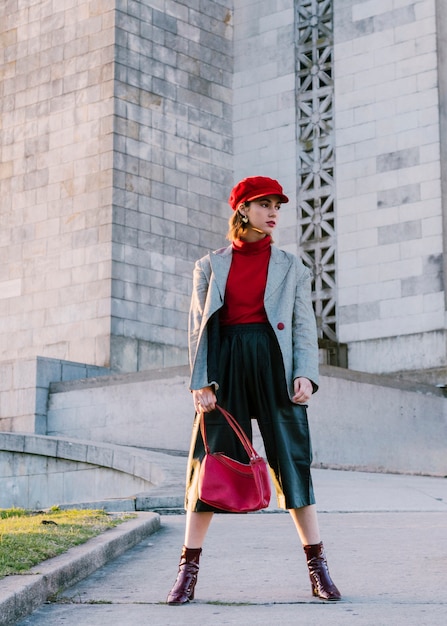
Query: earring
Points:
[244, 219]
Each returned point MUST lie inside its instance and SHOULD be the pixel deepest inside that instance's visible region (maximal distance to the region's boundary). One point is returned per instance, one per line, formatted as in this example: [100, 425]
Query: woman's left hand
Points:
[302, 388]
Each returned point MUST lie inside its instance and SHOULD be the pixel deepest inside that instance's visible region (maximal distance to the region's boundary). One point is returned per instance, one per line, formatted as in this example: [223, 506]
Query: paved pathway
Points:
[386, 540]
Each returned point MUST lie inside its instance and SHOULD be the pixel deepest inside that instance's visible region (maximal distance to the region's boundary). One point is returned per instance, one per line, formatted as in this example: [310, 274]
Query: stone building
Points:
[125, 123]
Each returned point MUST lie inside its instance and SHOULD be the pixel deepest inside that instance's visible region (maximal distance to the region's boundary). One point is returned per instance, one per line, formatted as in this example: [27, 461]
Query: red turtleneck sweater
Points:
[244, 293]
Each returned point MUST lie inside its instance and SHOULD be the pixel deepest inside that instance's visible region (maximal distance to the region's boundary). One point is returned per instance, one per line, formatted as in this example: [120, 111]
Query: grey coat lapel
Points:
[220, 264]
[277, 272]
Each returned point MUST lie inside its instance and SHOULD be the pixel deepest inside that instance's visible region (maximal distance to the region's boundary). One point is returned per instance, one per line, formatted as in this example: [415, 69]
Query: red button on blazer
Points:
[280, 326]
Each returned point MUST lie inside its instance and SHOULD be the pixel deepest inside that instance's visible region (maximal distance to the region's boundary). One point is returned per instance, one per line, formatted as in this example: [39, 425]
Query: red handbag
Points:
[230, 485]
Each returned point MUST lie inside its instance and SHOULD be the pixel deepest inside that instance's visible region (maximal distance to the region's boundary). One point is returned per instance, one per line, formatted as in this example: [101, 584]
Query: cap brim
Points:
[281, 196]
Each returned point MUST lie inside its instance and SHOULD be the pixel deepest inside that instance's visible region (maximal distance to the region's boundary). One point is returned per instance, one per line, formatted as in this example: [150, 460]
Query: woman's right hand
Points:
[204, 399]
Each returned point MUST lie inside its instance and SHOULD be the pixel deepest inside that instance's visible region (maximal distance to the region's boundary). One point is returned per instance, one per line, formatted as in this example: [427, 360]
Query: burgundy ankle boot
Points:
[320, 579]
[183, 589]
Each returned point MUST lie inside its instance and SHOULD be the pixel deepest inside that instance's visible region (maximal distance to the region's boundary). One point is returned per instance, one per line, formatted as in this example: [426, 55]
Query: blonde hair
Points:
[236, 227]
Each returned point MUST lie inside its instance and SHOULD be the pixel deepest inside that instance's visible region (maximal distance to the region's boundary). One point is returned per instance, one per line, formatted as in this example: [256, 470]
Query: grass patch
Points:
[27, 538]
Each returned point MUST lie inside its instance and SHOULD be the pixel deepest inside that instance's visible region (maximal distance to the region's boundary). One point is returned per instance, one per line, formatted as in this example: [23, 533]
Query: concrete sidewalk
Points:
[386, 541]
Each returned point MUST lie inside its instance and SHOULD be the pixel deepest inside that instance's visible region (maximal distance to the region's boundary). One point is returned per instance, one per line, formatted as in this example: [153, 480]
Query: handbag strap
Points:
[239, 431]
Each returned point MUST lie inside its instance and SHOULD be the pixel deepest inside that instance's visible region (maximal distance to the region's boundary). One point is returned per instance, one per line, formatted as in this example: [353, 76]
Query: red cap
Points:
[255, 187]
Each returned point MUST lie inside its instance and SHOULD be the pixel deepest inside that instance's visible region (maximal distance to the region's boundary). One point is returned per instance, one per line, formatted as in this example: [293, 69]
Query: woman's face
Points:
[263, 215]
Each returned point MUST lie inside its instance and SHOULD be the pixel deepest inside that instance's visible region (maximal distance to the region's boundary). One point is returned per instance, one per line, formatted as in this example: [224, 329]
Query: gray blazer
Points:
[287, 302]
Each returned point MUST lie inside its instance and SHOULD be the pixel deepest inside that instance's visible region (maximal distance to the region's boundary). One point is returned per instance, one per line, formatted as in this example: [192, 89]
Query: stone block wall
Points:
[56, 65]
[264, 110]
[116, 163]
[125, 124]
[389, 187]
[358, 421]
[24, 386]
[172, 169]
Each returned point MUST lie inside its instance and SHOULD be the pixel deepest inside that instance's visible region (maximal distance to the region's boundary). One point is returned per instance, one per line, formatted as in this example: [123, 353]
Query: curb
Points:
[20, 595]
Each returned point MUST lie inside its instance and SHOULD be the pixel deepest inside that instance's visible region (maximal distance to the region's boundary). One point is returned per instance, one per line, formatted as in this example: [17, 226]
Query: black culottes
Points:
[253, 386]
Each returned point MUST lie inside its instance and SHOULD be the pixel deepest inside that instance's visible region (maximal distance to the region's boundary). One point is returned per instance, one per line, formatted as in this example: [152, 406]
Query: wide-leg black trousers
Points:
[253, 386]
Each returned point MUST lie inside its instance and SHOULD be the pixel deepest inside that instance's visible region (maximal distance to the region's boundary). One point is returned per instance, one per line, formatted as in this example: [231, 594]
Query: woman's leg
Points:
[196, 528]
[197, 525]
[306, 523]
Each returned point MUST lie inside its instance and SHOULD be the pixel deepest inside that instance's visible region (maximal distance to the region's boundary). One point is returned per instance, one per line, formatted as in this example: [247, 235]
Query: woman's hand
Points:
[302, 388]
[204, 399]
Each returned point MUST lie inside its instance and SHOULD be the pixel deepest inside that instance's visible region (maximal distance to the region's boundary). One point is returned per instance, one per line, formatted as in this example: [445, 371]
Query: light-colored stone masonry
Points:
[37, 472]
[124, 124]
[173, 168]
[24, 385]
[389, 188]
[357, 420]
[56, 179]
[116, 161]
[264, 112]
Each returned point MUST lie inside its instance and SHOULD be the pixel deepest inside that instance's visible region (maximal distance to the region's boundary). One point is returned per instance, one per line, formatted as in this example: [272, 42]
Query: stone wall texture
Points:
[116, 161]
[124, 123]
[389, 186]
[358, 421]
[172, 169]
[56, 179]
[264, 110]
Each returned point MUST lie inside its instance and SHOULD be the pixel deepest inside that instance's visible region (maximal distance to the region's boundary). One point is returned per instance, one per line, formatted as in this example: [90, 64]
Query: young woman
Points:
[254, 351]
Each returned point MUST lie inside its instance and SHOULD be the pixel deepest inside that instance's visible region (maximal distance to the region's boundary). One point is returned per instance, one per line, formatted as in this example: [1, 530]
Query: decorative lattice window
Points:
[315, 96]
